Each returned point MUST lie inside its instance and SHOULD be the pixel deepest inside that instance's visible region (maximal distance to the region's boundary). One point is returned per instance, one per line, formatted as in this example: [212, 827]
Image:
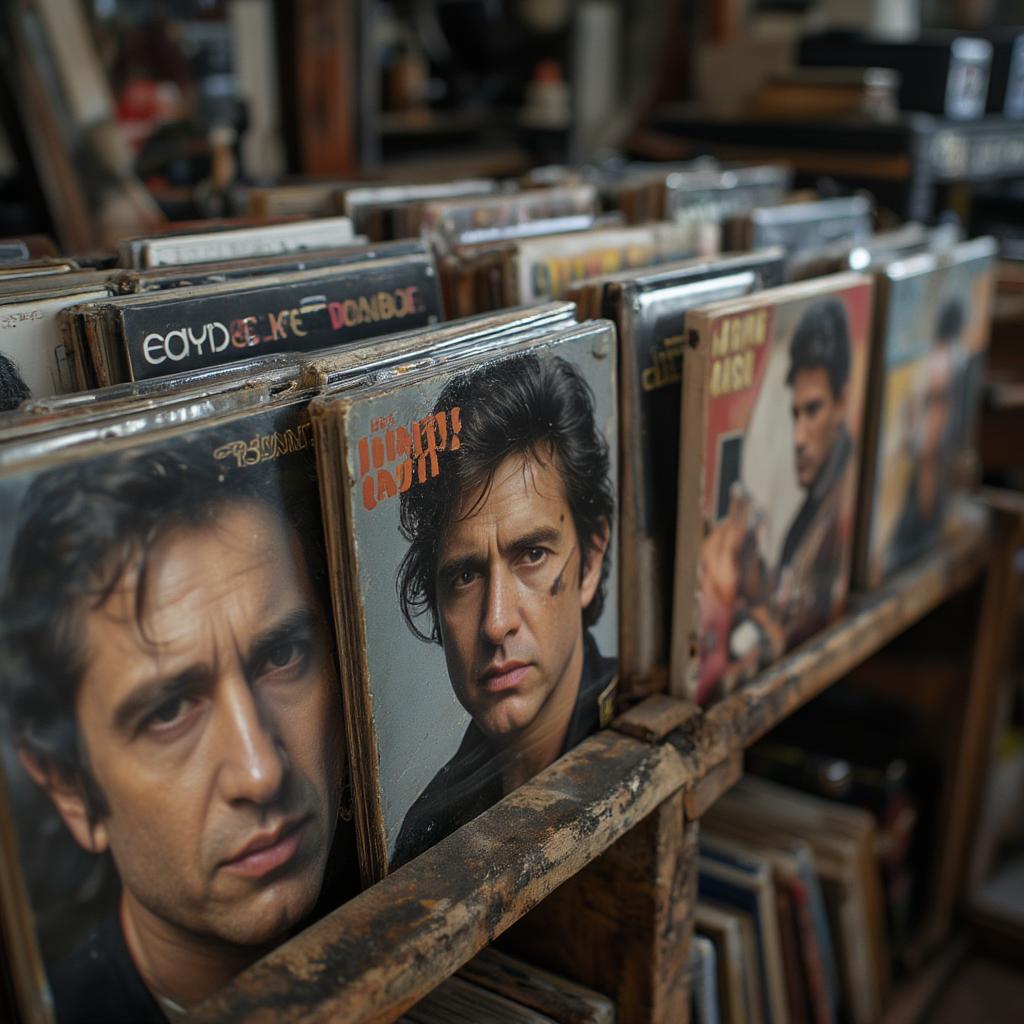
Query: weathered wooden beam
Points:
[970, 759]
[623, 924]
[654, 718]
[718, 780]
[874, 619]
[376, 955]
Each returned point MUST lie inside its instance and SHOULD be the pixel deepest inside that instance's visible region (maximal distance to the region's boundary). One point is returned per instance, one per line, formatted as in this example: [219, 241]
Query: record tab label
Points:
[194, 334]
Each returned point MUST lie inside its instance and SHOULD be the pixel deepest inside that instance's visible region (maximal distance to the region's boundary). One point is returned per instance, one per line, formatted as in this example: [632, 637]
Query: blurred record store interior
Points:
[512, 511]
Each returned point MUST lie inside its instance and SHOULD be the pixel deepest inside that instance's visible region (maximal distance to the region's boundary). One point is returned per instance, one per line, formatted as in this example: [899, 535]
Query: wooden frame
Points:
[600, 846]
[325, 58]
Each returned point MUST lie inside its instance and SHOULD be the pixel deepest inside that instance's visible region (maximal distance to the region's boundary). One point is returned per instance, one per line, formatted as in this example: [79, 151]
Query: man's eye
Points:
[534, 556]
[168, 715]
[463, 579]
[284, 656]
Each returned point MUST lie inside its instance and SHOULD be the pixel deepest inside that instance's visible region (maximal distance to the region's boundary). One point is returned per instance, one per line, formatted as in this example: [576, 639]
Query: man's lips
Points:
[267, 851]
[498, 678]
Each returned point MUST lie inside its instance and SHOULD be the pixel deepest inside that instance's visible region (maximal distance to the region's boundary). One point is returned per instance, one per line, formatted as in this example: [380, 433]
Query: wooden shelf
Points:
[383, 950]
[874, 619]
[373, 957]
[988, 149]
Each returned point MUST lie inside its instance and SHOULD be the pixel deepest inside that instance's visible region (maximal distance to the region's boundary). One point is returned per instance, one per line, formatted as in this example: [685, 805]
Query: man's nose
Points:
[501, 613]
[800, 431]
[253, 763]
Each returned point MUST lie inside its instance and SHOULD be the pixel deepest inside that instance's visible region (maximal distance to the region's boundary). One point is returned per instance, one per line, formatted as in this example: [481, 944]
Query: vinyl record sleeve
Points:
[246, 438]
[874, 250]
[777, 400]
[730, 873]
[46, 267]
[739, 904]
[843, 843]
[933, 321]
[704, 981]
[240, 243]
[456, 1000]
[483, 277]
[731, 919]
[131, 282]
[547, 267]
[294, 199]
[722, 928]
[564, 1001]
[648, 308]
[804, 228]
[427, 348]
[31, 340]
[13, 250]
[41, 426]
[53, 285]
[451, 219]
[167, 617]
[423, 764]
[793, 869]
[130, 248]
[716, 196]
[375, 210]
[139, 337]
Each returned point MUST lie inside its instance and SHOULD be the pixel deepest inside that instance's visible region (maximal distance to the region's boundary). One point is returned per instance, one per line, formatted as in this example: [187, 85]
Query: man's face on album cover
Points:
[210, 722]
[510, 597]
[817, 417]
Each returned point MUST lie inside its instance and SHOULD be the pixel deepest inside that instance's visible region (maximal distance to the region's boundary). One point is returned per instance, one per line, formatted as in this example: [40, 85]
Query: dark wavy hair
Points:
[517, 406]
[822, 339]
[80, 529]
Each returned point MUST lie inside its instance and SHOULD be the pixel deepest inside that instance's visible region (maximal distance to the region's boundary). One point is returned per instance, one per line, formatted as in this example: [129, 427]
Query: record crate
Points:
[591, 866]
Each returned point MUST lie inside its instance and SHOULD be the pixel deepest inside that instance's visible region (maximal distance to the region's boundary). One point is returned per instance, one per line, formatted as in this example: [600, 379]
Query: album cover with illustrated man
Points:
[778, 383]
[931, 338]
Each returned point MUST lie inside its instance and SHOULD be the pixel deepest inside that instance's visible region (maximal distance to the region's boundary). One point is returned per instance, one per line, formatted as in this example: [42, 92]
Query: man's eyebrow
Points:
[300, 622]
[533, 539]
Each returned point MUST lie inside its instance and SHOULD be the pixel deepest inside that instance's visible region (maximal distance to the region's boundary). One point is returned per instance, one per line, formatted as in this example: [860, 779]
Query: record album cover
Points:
[150, 335]
[477, 515]
[172, 753]
[30, 340]
[781, 407]
[648, 309]
[933, 328]
[805, 229]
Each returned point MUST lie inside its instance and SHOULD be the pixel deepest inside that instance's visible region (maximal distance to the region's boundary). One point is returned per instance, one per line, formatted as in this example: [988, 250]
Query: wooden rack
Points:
[590, 866]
